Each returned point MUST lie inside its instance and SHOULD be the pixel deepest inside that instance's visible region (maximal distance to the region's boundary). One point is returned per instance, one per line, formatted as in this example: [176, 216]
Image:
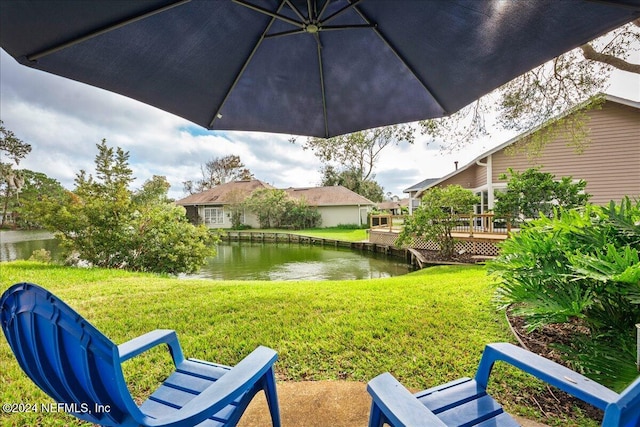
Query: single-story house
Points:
[393, 206]
[609, 161]
[336, 204]
[213, 207]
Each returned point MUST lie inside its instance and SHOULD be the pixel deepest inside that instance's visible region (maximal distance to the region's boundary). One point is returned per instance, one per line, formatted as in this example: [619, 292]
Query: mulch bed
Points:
[434, 257]
[554, 403]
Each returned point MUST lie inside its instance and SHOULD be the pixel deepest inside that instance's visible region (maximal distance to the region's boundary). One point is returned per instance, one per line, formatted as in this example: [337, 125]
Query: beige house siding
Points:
[472, 177]
[610, 162]
[333, 216]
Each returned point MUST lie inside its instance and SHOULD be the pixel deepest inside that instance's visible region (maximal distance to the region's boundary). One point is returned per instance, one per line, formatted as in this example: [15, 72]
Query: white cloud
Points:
[64, 120]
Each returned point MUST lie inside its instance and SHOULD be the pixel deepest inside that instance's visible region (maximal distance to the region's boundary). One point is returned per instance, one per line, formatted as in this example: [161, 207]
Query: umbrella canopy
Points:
[306, 67]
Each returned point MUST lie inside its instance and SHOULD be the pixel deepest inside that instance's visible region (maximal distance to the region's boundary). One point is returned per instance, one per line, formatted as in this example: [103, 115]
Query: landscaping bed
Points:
[435, 258]
[555, 403]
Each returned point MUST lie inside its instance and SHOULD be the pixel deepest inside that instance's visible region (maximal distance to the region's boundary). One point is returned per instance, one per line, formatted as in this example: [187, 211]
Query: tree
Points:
[218, 171]
[153, 190]
[352, 180]
[351, 159]
[36, 186]
[11, 180]
[437, 216]
[105, 225]
[299, 215]
[268, 205]
[533, 193]
[274, 208]
[544, 92]
[236, 208]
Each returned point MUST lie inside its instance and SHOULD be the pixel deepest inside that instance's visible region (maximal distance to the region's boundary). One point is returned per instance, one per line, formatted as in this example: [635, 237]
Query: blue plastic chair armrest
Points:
[548, 371]
[225, 390]
[398, 404]
[149, 340]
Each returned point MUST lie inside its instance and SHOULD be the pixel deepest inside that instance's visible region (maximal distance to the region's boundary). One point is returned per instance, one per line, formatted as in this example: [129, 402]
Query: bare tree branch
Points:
[590, 53]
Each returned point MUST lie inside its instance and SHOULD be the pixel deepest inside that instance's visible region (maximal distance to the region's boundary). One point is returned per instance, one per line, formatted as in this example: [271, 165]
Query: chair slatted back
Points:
[64, 355]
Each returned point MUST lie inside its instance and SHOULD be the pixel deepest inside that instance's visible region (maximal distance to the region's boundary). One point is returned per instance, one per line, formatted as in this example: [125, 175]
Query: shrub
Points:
[41, 255]
[275, 209]
[436, 217]
[105, 224]
[581, 266]
[533, 193]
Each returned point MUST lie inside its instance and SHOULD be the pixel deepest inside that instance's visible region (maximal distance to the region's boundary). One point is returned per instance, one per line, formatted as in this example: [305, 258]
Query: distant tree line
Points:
[102, 221]
[275, 209]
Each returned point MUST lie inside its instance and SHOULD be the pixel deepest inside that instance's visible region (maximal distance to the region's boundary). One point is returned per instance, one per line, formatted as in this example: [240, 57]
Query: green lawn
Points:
[344, 234]
[347, 235]
[426, 327]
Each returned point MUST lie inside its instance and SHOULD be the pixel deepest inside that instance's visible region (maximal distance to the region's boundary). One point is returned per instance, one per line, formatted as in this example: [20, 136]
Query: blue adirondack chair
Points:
[465, 402]
[80, 368]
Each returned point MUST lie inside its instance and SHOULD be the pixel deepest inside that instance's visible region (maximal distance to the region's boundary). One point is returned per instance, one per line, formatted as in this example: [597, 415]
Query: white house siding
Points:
[249, 218]
[336, 215]
[610, 163]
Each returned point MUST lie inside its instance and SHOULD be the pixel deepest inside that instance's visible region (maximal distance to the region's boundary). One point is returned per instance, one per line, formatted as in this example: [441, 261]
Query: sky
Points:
[63, 120]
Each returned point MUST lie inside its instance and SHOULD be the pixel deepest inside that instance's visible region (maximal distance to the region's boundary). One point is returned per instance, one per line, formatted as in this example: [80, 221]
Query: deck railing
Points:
[482, 224]
[386, 222]
[472, 224]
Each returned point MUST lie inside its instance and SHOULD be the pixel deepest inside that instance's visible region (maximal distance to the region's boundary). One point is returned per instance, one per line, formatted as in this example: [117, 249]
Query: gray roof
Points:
[224, 194]
[422, 184]
[232, 192]
[335, 195]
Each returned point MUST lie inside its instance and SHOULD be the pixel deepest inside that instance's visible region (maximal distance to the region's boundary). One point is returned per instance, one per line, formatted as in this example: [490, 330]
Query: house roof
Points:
[224, 193]
[391, 204]
[315, 196]
[419, 186]
[335, 195]
[608, 98]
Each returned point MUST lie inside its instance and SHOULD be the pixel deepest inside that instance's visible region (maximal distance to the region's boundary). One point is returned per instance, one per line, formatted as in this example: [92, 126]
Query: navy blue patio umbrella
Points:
[304, 67]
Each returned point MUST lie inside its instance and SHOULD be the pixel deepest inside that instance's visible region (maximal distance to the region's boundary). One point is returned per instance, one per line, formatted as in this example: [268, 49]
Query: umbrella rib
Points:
[244, 65]
[395, 52]
[284, 33]
[346, 27]
[311, 10]
[267, 12]
[322, 87]
[327, 28]
[324, 7]
[103, 30]
[351, 5]
[295, 10]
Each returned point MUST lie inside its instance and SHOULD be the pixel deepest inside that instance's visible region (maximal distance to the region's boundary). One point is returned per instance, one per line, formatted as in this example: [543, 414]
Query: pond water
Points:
[246, 260]
[21, 244]
[293, 261]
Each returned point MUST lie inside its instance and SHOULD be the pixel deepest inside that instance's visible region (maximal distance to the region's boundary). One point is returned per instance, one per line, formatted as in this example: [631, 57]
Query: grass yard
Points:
[337, 233]
[344, 234]
[426, 327]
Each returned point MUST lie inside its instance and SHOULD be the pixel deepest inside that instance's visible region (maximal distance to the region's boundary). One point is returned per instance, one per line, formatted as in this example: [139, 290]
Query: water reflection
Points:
[21, 244]
[292, 261]
[245, 260]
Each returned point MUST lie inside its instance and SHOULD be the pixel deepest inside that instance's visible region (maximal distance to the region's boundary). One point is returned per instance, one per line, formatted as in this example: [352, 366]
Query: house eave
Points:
[606, 97]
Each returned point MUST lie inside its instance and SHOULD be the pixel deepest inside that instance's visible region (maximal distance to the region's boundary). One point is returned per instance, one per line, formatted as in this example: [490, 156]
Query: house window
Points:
[213, 216]
[483, 206]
